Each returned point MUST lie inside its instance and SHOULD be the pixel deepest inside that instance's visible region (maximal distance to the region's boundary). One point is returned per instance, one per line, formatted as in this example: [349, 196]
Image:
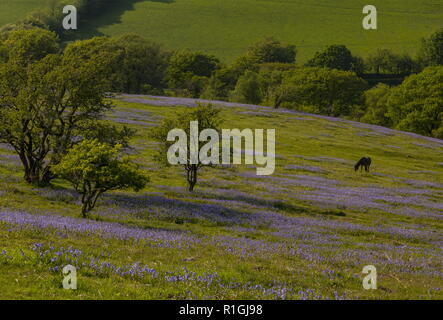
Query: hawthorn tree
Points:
[207, 116]
[46, 105]
[94, 168]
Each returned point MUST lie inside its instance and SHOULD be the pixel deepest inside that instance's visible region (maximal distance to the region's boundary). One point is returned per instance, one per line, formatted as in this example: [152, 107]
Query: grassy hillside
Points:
[227, 27]
[13, 11]
[304, 232]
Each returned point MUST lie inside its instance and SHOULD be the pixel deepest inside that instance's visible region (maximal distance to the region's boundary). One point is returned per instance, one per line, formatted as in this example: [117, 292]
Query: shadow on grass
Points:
[176, 210]
[89, 26]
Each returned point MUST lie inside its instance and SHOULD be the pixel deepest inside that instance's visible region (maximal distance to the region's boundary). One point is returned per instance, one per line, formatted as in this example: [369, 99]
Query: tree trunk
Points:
[192, 176]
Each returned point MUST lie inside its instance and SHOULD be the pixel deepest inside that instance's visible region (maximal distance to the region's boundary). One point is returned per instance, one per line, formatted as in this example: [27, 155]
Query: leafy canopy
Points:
[94, 168]
[417, 104]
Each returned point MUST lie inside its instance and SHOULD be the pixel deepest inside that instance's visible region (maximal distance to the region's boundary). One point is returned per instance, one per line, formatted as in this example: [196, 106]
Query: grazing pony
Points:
[363, 162]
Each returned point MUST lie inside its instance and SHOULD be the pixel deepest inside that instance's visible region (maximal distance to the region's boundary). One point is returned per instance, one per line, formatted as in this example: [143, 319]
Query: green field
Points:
[227, 27]
[305, 232]
[15, 10]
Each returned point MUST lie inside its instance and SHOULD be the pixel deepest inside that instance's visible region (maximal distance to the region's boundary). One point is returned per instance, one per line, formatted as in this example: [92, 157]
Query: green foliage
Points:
[106, 132]
[94, 168]
[44, 105]
[248, 89]
[376, 106]
[271, 50]
[417, 104]
[188, 71]
[432, 49]
[207, 116]
[141, 65]
[26, 46]
[320, 90]
[385, 61]
[336, 57]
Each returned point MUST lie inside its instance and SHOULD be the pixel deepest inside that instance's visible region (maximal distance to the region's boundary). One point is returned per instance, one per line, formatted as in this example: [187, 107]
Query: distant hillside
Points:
[227, 27]
[15, 10]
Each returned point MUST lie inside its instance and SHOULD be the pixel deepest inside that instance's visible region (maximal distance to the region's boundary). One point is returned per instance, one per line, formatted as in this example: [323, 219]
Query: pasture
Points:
[305, 232]
[13, 11]
[226, 28]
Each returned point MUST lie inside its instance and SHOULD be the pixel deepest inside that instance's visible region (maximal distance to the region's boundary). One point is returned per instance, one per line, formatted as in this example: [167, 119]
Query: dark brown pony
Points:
[363, 162]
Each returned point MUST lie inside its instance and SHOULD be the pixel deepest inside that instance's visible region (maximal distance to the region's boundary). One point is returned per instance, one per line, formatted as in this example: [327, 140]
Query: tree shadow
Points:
[176, 209]
[89, 26]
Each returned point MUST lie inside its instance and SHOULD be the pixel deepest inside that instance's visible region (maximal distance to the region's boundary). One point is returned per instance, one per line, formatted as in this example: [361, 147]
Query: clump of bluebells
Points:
[57, 258]
[310, 294]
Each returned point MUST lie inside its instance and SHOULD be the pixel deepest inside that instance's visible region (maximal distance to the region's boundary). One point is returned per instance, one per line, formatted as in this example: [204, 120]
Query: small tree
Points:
[333, 57]
[431, 52]
[326, 91]
[94, 168]
[385, 61]
[417, 104]
[376, 104]
[208, 117]
[271, 50]
[248, 89]
[187, 69]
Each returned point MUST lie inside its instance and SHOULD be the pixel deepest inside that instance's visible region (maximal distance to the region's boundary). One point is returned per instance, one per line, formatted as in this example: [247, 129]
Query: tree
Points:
[44, 106]
[94, 168]
[376, 104]
[26, 46]
[432, 49]
[321, 90]
[208, 117]
[248, 89]
[186, 69]
[382, 61]
[224, 80]
[385, 61]
[417, 104]
[271, 50]
[140, 67]
[333, 57]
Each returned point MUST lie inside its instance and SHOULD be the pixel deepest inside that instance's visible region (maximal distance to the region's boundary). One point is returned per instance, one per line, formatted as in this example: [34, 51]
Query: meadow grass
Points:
[303, 233]
[226, 28]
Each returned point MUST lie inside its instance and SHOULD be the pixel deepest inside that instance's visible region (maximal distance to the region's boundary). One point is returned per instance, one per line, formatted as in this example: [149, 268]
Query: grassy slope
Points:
[227, 27]
[12, 11]
[390, 218]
